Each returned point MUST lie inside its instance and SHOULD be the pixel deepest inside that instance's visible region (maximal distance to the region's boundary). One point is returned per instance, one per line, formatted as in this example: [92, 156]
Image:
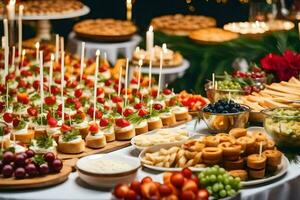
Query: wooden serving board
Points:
[36, 182]
[110, 146]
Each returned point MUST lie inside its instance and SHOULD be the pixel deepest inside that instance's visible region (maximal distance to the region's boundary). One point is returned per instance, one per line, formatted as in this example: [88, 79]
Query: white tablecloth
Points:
[285, 188]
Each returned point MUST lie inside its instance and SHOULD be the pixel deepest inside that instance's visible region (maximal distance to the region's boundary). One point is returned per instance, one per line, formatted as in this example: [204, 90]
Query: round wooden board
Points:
[36, 182]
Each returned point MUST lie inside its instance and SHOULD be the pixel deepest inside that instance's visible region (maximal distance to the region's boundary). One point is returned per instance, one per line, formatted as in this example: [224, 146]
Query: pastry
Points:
[273, 157]
[242, 174]
[257, 174]
[234, 165]
[70, 141]
[181, 113]
[238, 132]
[22, 133]
[124, 130]
[256, 161]
[154, 122]
[212, 35]
[107, 128]
[95, 139]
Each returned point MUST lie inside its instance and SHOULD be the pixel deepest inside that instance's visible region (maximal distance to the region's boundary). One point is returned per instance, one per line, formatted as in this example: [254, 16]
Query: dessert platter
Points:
[107, 30]
[181, 25]
[212, 36]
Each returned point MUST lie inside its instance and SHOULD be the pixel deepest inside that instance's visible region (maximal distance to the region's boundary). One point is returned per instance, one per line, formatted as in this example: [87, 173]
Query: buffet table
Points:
[284, 188]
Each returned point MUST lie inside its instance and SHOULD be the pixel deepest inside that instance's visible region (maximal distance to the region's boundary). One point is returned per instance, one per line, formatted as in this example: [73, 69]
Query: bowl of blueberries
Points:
[225, 115]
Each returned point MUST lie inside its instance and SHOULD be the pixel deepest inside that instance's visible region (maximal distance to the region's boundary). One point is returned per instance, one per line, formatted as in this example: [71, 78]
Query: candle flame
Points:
[52, 56]
[151, 28]
[164, 47]
[12, 2]
[21, 7]
[37, 45]
[140, 62]
[137, 49]
[98, 52]
[23, 52]
[128, 1]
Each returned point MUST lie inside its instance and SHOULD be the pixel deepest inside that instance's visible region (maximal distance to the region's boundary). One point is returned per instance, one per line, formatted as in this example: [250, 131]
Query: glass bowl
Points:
[283, 125]
[224, 122]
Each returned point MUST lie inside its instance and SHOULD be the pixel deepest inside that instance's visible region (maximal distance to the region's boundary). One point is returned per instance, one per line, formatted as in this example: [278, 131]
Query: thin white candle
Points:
[20, 29]
[62, 86]
[82, 60]
[22, 61]
[126, 81]
[149, 39]
[13, 57]
[95, 83]
[139, 74]
[62, 44]
[41, 80]
[160, 72]
[37, 50]
[213, 80]
[120, 81]
[51, 72]
[6, 99]
[150, 69]
[6, 49]
[56, 47]
[3, 42]
[11, 9]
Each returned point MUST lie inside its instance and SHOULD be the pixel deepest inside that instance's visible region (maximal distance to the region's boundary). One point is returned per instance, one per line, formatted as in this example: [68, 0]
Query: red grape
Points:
[20, 173]
[165, 190]
[44, 169]
[177, 180]
[8, 117]
[31, 169]
[136, 186]
[8, 157]
[20, 160]
[1, 166]
[49, 157]
[7, 171]
[30, 153]
[57, 165]
[186, 172]
[130, 195]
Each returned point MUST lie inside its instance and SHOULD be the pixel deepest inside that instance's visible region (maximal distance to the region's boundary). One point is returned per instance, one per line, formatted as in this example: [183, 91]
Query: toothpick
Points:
[120, 81]
[62, 85]
[213, 80]
[95, 83]
[6, 96]
[139, 74]
[13, 58]
[126, 81]
[150, 69]
[260, 148]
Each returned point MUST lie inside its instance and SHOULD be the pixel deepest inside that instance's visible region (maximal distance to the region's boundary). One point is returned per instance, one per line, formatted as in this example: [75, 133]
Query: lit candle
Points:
[11, 9]
[82, 60]
[62, 86]
[139, 73]
[3, 42]
[51, 72]
[120, 81]
[150, 69]
[149, 39]
[37, 49]
[41, 80]
[129, 10]
[21, 8]
[56, 47]
[126, 81]
[13, 57]
[95, 82]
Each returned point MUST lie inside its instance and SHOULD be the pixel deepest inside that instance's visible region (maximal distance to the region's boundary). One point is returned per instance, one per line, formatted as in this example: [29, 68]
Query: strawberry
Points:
[108, 82]
[117, 99]
[32, 111]
[134, 81]
[167, 91]
[36, 84]
[100, 91]
[103, 68]
[78, 93]
[52, 122]
[98, 114]
[122, 122]
[138, 106]
[90, 111]
[23, 98]
[8, 117]
[55, 90]
[94, 128]
[157, 106]
[104, 122]
[142, 113]
[100, 100]
[128, 112]
[50, 100]
[77, 105]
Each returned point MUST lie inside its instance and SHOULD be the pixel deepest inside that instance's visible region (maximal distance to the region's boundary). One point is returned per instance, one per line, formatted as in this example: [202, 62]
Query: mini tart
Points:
[167, 118]
[259, 136]
[141, 128]
[83, 128]
[238, 132]
[224, 137]
[212, 153]
[95, 141]
[270, 145]
[255, 161]
[256, 174]
[154, 123]
[234, 165]
[39, 131]
[211, 141]
[246, 142]
[242, 174]
[124, 133]
[4, 141]
[181, 113]
[230, 151]
[109, 133]
[273, 157]
[71, 147]
[23, 135]
[255, 148]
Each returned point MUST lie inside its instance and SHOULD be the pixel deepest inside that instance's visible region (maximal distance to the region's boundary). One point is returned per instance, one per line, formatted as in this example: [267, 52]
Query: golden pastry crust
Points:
[242, 174]
[256, 161]
[212, 35]
[238, 132]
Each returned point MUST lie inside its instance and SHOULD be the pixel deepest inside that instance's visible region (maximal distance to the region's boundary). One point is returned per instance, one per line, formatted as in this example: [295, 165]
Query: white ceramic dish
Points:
[108, 180]
[282, 169]
[164, 169]
[190, 134]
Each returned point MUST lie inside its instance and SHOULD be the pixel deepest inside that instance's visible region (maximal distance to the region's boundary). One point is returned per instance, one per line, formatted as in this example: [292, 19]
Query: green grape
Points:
[201, 176]
[221, 186]
[228, 188]
[214, 170]
[213, 178]
[222, 171]
[223, 193]
[220, 178]
[231, 192]
[204, 181]
[215, 187]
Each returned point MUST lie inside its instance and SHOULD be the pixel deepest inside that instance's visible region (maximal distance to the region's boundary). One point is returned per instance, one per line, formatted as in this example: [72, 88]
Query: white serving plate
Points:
[282, 170]
[190, 134]
[108, 180]
[164, 169]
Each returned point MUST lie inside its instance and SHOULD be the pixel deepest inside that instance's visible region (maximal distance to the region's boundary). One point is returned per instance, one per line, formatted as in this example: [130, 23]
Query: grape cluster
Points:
[219, 183]
[28, 164]
[224, 106]
[228, 84]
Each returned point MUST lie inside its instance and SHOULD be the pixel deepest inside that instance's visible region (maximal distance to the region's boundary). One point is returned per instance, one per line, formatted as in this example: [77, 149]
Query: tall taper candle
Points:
[20, 30]
[41, 80]
[56, 47]
[149, 39]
